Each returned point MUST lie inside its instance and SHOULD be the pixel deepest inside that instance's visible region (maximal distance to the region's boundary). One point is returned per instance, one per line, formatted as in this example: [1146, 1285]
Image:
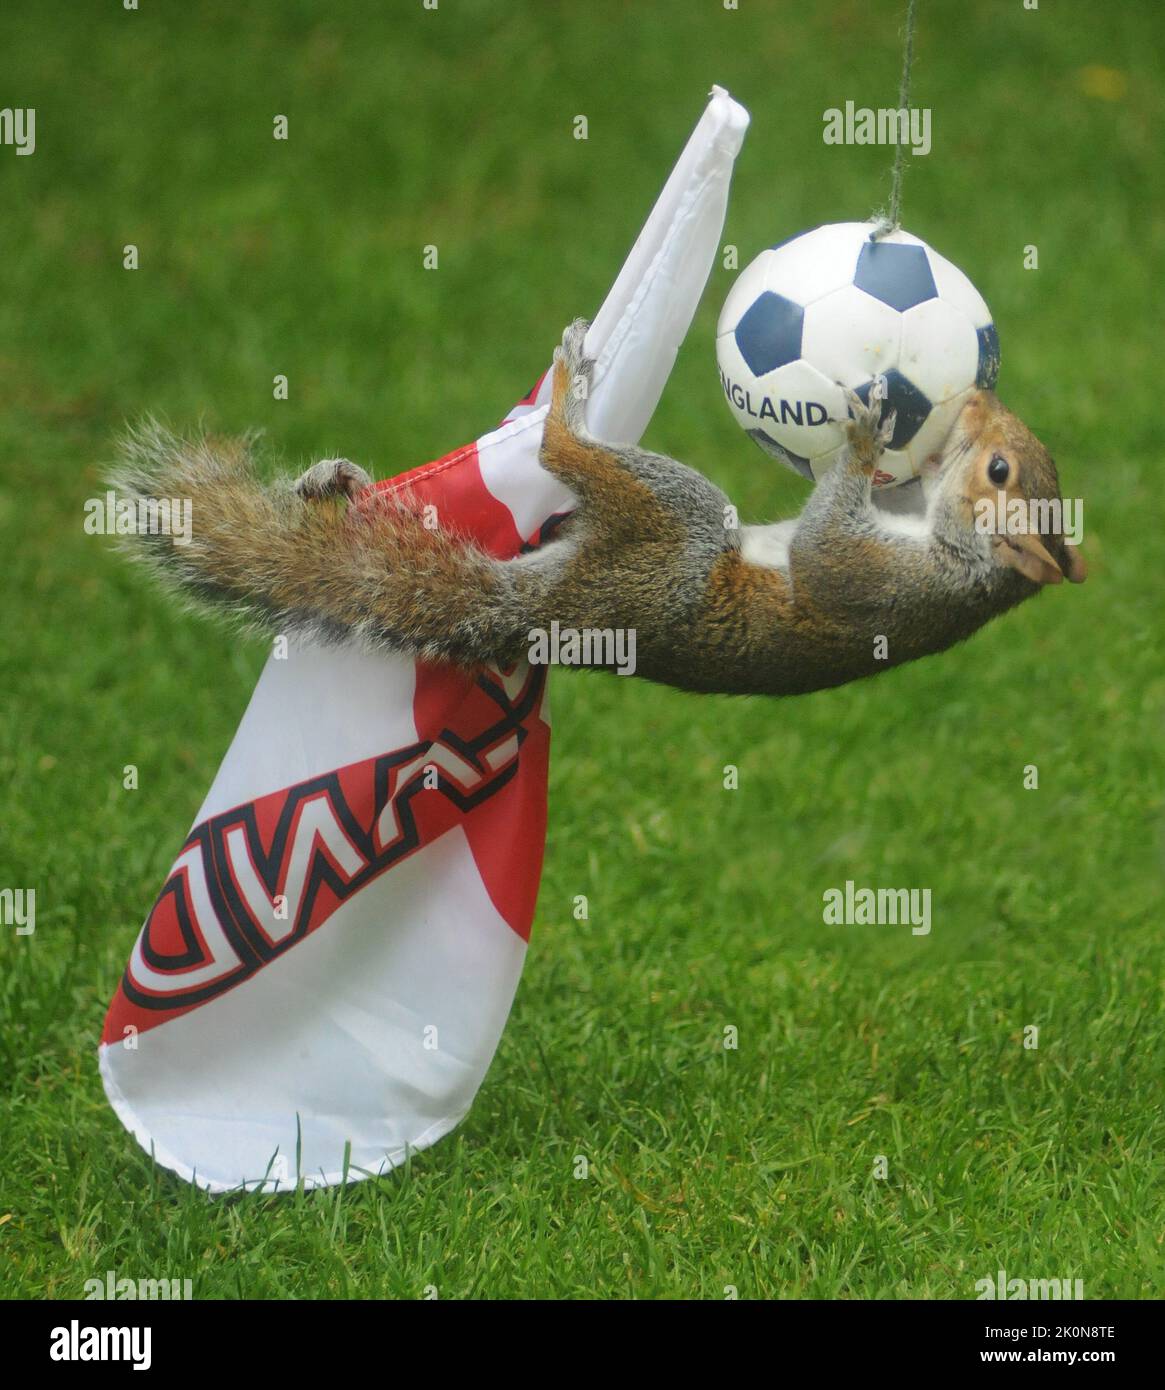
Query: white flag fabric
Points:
[322, 982]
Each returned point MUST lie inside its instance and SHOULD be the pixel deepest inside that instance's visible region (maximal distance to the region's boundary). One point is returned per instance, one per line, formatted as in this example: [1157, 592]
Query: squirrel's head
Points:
[994, 494]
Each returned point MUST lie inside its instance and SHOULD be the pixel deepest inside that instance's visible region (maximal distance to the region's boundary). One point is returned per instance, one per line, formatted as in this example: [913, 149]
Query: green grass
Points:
[708, 1167]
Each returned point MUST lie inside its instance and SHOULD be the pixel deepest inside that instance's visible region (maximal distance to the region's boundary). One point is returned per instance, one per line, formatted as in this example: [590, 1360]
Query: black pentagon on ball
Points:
[903, 397]
[778, 451]
[988, 373]
[897, 275]
[769, 332]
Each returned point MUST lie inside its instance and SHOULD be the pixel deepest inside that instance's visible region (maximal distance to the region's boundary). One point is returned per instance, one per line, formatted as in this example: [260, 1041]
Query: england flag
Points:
[321, 984]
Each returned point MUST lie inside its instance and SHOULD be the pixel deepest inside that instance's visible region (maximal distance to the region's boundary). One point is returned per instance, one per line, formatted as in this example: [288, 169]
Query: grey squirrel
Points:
[841, 592]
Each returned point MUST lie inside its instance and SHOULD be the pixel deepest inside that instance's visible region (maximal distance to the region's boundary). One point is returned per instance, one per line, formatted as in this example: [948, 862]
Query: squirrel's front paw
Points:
[867, 430]
[332, 478]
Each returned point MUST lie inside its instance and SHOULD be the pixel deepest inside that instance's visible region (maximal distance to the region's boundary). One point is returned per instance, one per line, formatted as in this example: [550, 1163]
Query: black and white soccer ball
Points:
[833, 306]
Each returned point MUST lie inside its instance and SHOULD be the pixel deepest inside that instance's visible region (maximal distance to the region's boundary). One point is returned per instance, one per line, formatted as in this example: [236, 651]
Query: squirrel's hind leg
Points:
[622, 490]
[612, 499]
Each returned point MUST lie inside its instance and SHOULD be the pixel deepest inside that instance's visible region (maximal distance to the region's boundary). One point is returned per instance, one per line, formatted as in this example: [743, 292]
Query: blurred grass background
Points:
[710, 1168]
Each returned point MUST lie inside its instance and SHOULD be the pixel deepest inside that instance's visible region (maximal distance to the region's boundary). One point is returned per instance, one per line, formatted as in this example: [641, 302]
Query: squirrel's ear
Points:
[1027, 554]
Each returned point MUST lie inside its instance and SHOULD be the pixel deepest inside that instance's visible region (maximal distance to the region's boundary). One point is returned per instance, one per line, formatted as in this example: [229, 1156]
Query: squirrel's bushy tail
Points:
[282, 564]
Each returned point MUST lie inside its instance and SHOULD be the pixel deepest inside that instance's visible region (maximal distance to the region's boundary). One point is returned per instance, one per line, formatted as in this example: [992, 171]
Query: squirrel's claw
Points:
[332, 478]
[889, 420]
[857, 408]
[572, 352]
[868, 431]
[577, 369]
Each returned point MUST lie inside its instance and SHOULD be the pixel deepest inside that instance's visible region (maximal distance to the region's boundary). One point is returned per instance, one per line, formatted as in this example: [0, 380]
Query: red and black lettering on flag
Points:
[253, 881]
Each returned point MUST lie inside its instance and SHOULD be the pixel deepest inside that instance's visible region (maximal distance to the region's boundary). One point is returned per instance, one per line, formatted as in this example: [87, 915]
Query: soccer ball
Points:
[833, 306]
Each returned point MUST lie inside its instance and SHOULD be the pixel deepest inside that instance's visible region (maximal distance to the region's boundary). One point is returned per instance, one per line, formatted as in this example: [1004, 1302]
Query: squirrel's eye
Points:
[998, 470]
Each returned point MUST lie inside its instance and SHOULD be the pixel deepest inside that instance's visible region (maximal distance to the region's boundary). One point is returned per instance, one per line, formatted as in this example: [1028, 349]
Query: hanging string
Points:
[890, 221]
